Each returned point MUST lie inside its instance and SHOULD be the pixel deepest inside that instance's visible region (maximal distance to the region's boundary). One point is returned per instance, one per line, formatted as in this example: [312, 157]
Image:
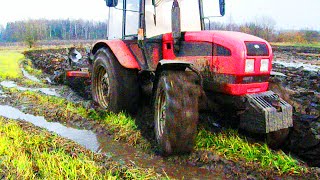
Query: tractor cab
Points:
[150, 18]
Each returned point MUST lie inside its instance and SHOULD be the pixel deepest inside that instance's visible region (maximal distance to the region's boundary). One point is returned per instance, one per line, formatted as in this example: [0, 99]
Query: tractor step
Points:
[266, 112]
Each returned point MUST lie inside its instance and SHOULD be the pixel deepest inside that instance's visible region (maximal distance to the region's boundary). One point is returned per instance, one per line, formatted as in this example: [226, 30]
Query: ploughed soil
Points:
[301, 88]
[298, 86]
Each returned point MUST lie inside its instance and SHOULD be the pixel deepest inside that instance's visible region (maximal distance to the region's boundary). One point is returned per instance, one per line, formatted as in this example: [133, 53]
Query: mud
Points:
[103, 142]
[300, 86]
[106, 145]
[297, 53]
[217, 165]
[54, 63]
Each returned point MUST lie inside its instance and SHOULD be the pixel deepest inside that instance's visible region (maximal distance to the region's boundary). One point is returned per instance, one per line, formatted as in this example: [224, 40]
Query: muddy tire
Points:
[276, 139]
[176, 112]
[114, 87]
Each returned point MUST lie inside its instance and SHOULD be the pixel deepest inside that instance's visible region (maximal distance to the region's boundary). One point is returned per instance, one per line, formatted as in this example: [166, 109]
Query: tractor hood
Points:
[235, 41]
[219, 36]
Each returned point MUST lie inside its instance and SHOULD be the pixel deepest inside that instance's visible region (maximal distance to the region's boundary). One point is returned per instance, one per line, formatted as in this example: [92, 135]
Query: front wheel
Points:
[176, 111]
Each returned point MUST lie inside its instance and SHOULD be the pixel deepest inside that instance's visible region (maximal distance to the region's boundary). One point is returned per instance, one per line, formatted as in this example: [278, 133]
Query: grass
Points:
[9, 65]
[28, 153]
[122, 126]
[228, 144]
[313, 45]
[233, 147]
[27, 65]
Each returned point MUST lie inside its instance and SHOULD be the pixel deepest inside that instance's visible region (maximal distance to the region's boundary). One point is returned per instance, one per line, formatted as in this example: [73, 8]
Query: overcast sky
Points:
[287, 14]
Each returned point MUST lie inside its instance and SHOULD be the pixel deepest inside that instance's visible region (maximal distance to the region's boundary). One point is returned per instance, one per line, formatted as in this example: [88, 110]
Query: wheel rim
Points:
[161, 114]
[103, 88]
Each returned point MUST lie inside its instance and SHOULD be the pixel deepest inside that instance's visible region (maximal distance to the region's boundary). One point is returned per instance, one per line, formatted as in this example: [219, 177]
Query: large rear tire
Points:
[176, 112]
[114, 87]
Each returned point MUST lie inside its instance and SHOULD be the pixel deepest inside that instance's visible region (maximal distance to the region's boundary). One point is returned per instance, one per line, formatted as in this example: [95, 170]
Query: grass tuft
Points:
[122, 126]
[233, 147]
[29, 153]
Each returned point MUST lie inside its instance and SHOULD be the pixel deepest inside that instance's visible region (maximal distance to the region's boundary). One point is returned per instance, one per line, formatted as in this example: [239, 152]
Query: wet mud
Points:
[299, 85]
[104, 144]
[188, 167]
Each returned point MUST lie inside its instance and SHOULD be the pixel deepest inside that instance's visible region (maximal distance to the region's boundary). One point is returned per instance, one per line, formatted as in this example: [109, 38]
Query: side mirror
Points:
[111, 3]
[155, 3]
[222, 6]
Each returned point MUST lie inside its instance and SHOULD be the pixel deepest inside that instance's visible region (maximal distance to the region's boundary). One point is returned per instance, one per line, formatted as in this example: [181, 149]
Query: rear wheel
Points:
[114, 87]
[176, 112]
[277, 138]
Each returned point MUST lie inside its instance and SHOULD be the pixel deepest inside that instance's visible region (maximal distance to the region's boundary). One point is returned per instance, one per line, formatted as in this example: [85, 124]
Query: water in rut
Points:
[12, 84]
[118, 151]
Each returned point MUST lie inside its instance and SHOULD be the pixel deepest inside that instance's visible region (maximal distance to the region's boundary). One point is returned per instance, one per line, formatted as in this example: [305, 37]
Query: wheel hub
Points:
[161, 114]
[103, 87]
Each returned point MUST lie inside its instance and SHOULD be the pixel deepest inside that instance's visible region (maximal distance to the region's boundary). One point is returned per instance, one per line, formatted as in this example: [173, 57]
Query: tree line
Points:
[265, 29]
[33, 30]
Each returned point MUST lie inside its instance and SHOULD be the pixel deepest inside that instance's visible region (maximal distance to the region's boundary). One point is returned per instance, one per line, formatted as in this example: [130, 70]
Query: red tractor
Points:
[163, 45]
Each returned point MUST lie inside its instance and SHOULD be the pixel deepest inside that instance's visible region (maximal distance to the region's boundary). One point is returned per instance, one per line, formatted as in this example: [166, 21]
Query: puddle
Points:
[279, 74]
[86, 138]
[307, 67]
[47, 91]
[117, 151]
[29, 76]
[48, 80]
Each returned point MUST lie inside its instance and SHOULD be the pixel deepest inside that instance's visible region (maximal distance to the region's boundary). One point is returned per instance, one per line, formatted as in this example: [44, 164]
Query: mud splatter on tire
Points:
[176, 111]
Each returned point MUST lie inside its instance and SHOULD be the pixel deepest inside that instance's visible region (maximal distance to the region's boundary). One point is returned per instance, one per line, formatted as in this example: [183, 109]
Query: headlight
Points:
[264, 65]
[249, 65]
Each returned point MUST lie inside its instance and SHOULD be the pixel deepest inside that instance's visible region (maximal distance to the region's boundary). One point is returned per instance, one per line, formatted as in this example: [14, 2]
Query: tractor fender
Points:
[176, 65]
[120, 50]
[172, 65]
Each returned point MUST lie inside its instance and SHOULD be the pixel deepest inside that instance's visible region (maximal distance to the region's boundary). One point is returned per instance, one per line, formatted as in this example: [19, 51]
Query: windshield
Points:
[189, 12]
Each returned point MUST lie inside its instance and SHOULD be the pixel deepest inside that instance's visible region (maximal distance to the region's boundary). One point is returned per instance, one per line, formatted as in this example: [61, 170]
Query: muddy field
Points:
[299, 84]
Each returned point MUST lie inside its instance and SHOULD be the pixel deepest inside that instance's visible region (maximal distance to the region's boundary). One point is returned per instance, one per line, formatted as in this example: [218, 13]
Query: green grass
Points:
[233, 147]
[28, 153]
[227, 144]
[27, 65]
[122, 126]
[313, 45]
[9, 65]
[10, 69]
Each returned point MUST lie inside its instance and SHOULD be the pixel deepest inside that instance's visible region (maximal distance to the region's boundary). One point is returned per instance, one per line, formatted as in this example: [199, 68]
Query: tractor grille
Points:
[254, 79]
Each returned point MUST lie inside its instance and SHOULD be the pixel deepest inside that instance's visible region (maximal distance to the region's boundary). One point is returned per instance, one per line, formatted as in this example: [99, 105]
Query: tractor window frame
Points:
[220, 50]
[126, 11]
[117, 21]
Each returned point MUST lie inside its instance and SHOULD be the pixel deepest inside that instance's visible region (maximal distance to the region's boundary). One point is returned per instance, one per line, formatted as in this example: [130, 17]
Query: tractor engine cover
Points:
[266, 112]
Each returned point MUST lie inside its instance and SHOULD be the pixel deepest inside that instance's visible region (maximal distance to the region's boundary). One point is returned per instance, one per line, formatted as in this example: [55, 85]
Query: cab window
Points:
[222, 51]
